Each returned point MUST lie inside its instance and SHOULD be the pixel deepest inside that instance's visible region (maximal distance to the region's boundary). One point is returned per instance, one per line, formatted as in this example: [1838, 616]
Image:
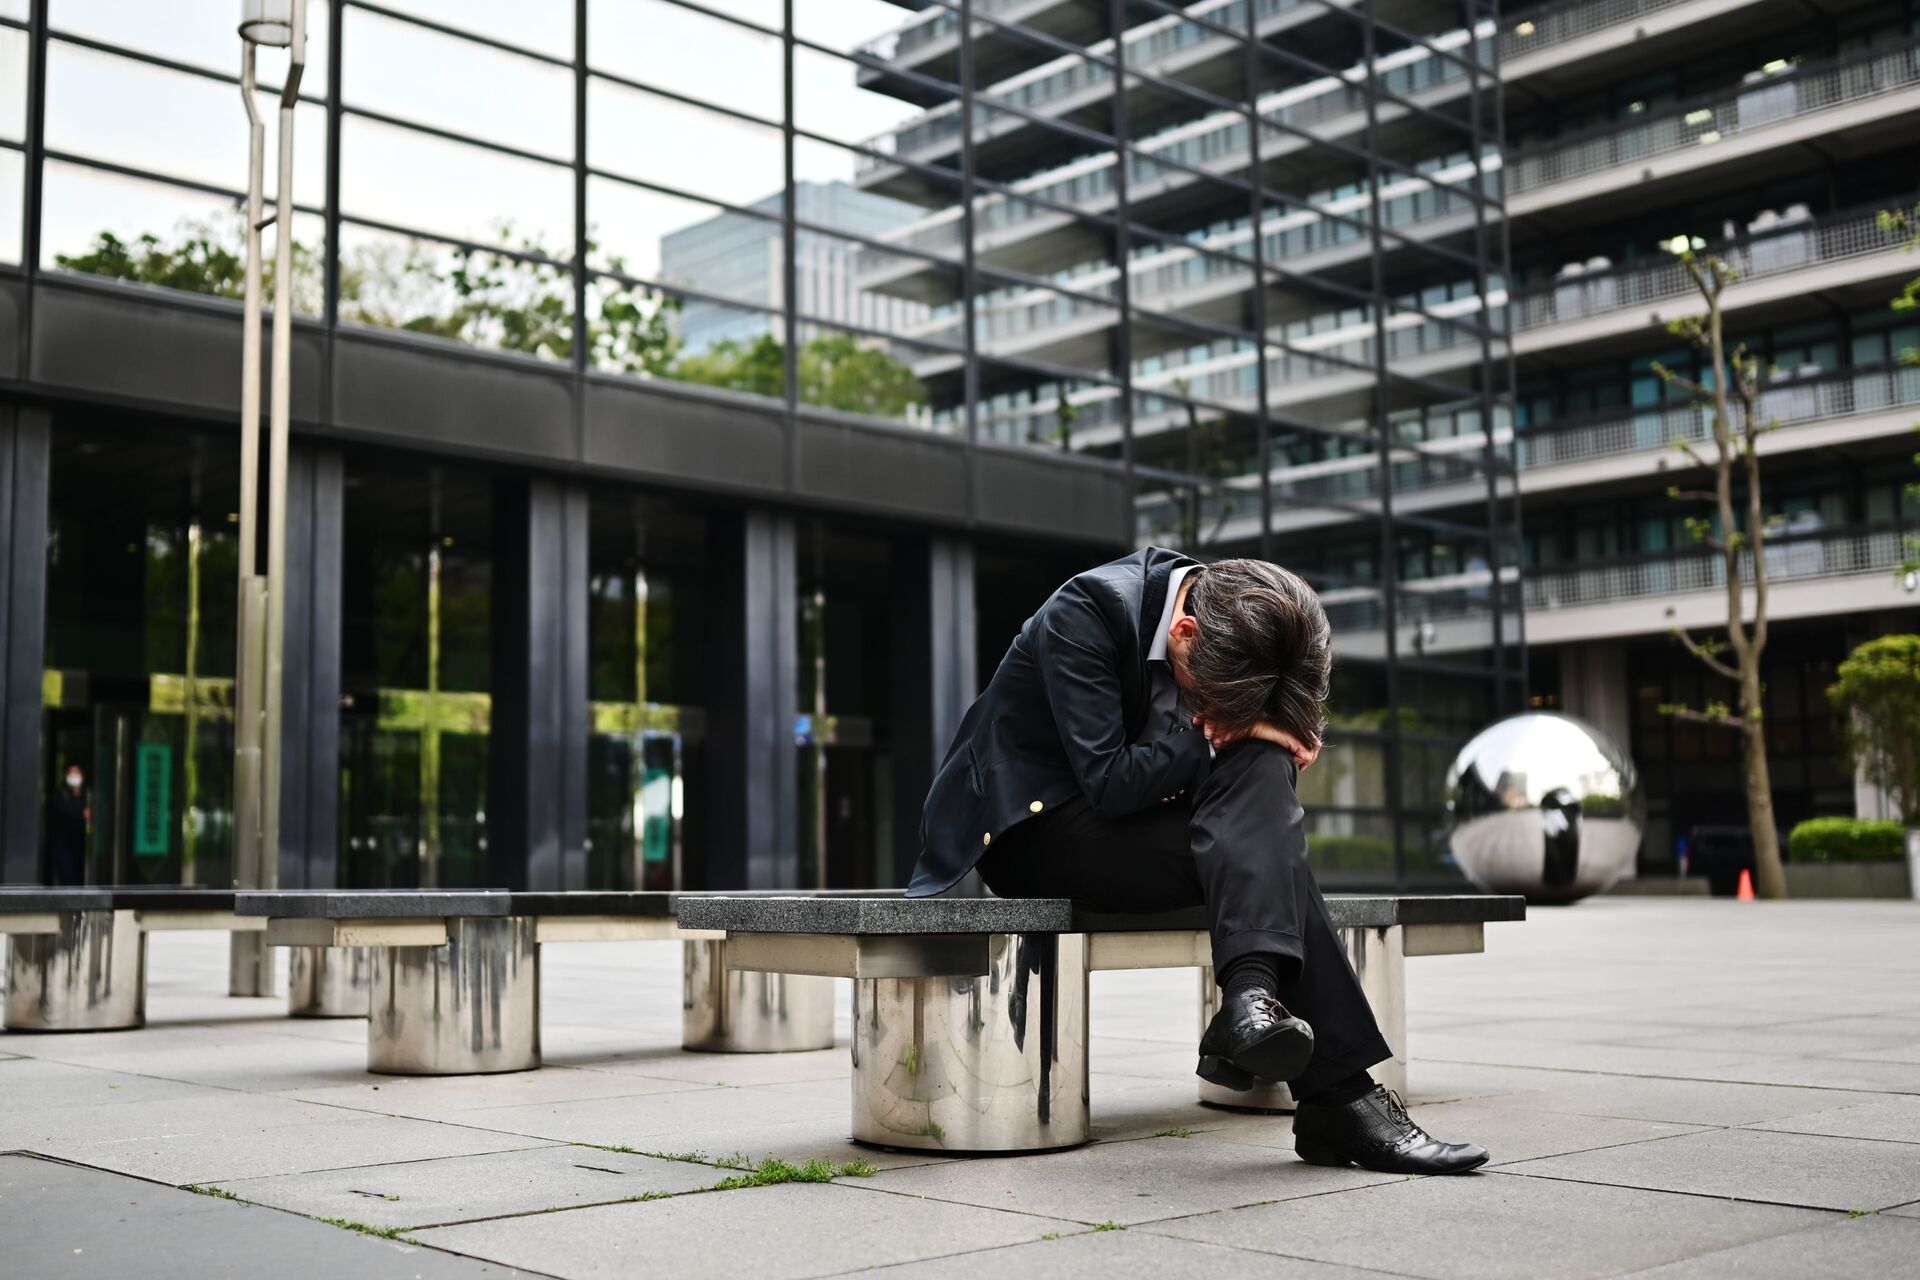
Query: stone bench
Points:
[970, 1014]
[78, 958]
[454, 975]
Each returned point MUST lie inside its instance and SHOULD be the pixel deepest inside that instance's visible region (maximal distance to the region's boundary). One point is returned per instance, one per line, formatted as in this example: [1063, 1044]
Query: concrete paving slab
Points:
[1618, 1059]
[734, 1069]
[199, 1113]
[465, 1188]
[1749, 1164]
[1871, 1245]
[443, 1097]
[770, 1233]
[1894, 1118]
[1790, 1040]
[1429, 1080]
[1906, 1210]
[222, 1147]
[53, 1085]
[1118, 1255]
[61, 1221]
[1832, 1073]
[1129, 1182]
[1685, 1101]
[1908, 1052]
[656, 1122]
[1511, 1135]
[1493, 1225]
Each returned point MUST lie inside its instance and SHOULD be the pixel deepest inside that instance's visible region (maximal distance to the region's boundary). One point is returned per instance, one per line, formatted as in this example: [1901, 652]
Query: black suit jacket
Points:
[1058, 719]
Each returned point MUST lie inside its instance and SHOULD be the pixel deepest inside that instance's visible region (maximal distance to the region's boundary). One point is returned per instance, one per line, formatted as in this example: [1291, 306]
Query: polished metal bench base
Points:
[470, 1007]
[736, 1011]
[77, 971]
[329, 982]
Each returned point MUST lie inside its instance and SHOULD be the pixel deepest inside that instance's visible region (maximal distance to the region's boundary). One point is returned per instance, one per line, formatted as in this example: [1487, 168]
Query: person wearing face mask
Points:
[68, 813]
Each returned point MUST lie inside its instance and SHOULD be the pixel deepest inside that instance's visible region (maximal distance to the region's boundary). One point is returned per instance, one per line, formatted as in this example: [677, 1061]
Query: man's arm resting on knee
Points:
[1079, 664]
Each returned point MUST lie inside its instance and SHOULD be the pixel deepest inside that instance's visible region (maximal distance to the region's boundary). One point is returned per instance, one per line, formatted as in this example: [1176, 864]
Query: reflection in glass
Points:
[398, 69]
[644, 332]
[201, 33]
[13, 84]
[543, 26]
[831, 98]
[700, 57]
[659, 140]
[478, 297]
[152, 233]
[412, 179]
[877, 377]
[187, 126]
[13, 174]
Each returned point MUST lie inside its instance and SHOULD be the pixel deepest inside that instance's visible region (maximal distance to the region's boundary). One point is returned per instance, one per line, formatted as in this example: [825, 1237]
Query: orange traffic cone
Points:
[1745, 892]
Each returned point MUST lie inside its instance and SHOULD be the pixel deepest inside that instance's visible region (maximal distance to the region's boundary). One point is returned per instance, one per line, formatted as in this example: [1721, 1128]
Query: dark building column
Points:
[935, 674]
[26, 441]
[310, 672]
[753, 796]
[537, 740]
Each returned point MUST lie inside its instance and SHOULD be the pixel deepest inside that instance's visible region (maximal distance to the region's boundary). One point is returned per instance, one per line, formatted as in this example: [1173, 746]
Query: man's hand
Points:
[1220, 739]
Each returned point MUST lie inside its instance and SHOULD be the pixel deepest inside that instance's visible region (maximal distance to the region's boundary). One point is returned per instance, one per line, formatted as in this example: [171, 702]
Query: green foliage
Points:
[1876, 694]
[202, 256]
[1847, 840]
[385, 1233]
[218, 1193]
[774, 1171]
[1178, 1131]
[836, 372]
[1109, 1226]
[1350, 853]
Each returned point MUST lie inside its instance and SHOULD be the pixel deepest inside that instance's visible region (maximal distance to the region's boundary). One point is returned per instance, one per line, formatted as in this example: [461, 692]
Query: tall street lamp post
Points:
[280, 24]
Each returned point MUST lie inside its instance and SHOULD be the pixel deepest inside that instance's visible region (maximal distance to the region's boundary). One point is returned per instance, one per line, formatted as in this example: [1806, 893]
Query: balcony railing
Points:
[1768, 101]
[1835, 396]
[1774, 252]
[1548, 25]
[1827, 554]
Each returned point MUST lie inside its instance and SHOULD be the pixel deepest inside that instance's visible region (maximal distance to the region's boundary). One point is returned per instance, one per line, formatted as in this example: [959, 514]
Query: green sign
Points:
[152, 799]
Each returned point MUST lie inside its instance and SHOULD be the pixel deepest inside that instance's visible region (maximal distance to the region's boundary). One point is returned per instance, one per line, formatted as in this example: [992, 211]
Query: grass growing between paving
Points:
[385, 1233]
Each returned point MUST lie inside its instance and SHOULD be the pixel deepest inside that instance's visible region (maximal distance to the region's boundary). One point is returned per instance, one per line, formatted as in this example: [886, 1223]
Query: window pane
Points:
[831, 98]
[655, 139]
[879, 27]
[14, 9]
[402, 70]
[877, 377]
[718, 251]
[630, 229]
[689, 53]
[152, 233]
[652, 333]
[479, 298]
[204, 33]
[12, 192]
[411, 179]
[544, 26]
[13, 83]
[856, 284]
[186, 126]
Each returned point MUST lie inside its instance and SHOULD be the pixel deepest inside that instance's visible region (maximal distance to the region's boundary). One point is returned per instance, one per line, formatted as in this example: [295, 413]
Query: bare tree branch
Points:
[1705, 652]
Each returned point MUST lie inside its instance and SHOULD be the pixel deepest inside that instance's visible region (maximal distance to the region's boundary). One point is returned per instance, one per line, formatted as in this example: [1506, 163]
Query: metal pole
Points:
[246, 954]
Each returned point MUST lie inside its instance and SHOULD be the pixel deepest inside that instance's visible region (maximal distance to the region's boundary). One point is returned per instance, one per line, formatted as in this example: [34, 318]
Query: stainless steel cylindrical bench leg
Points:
[1381, 966]
[328, 982]
[990, 1063]
[471, 1007]
[90, 976]
[741, 1012]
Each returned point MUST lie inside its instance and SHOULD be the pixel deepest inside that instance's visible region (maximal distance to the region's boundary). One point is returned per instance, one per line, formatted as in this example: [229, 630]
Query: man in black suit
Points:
[1137, 749]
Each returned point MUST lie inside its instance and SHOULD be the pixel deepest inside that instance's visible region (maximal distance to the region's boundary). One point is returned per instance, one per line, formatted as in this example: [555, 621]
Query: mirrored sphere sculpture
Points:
[1545, 805]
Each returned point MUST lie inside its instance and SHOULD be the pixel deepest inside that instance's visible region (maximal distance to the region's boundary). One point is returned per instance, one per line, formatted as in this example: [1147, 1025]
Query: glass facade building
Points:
[692, 399]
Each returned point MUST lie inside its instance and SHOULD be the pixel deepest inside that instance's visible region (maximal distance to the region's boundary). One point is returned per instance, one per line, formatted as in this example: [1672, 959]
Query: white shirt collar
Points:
[1158, 651]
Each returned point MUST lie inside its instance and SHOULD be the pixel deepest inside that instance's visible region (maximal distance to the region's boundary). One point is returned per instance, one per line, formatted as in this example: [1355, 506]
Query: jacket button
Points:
[1035, 807]
[987, 838]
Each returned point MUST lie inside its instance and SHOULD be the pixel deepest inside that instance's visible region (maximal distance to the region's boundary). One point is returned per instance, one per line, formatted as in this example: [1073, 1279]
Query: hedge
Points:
[1350, 853]
[1846, 840]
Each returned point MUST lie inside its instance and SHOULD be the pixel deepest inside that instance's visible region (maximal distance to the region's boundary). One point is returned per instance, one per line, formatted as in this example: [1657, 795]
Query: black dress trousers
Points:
[1238, 845]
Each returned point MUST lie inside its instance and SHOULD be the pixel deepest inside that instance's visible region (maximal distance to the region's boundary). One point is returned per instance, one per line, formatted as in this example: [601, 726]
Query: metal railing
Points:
[1773, 252]
[1833, 396]
[1706, 122]
[1827, 554]
[1533, 29]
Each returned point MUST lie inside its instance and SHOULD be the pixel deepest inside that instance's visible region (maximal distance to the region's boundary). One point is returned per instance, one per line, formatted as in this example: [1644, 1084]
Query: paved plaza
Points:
[1668, 1087]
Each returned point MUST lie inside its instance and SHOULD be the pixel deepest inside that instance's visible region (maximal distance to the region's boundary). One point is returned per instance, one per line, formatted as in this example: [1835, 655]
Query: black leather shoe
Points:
[1253, 1036]
[1375, 1132]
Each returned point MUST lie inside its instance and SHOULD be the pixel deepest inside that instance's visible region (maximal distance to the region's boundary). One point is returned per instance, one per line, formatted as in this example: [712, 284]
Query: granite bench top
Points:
[437, 904]
[895, 915]
[171, 898]
[37, 898]
[371, 904]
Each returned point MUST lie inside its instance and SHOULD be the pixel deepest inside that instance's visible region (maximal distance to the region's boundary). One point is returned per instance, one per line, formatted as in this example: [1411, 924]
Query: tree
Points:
[1876, 692]
[1737, 531]
[836, 372]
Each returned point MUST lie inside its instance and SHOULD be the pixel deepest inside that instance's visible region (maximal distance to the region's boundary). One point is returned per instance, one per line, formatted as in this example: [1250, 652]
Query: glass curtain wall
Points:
[1248, 255]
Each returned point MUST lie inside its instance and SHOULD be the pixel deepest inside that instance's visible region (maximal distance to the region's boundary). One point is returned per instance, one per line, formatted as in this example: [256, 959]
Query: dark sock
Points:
[1340, 1092]
[1249, 971]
